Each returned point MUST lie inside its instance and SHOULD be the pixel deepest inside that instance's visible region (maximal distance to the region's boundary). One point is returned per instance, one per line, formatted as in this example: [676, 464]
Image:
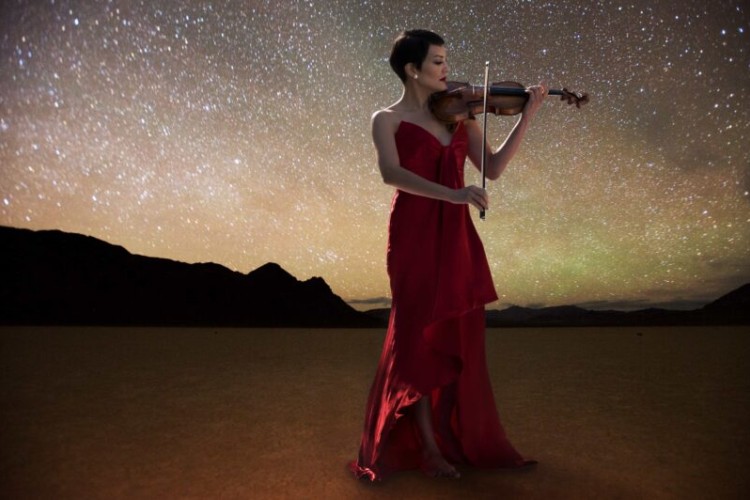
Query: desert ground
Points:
[616, 413]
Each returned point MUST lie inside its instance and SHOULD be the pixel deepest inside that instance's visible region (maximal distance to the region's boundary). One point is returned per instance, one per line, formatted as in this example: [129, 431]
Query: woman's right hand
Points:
[472, 195]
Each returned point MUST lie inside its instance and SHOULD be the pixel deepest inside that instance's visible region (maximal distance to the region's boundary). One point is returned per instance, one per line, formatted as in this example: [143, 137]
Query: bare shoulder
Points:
[386, 119]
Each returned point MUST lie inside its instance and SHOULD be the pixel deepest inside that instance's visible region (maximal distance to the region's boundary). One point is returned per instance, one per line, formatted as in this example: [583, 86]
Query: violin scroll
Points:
[576, 98]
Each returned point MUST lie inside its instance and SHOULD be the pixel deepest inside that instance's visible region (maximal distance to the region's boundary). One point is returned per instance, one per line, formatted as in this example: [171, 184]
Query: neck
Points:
[415, 97]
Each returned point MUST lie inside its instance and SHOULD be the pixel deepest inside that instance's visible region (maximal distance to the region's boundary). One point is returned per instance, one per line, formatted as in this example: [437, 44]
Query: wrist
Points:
[451, 195]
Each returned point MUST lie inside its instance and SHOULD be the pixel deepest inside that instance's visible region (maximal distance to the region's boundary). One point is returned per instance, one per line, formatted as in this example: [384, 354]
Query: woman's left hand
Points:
[537, 93]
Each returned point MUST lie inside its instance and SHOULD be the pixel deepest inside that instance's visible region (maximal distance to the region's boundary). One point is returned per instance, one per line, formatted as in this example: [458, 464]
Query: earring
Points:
[416, 76]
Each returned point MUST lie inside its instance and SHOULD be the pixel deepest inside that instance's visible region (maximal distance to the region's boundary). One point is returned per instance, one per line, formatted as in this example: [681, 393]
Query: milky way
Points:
[238, 133]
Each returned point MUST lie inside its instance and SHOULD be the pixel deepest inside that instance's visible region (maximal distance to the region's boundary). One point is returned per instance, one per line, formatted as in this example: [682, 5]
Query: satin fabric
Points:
[435, 344]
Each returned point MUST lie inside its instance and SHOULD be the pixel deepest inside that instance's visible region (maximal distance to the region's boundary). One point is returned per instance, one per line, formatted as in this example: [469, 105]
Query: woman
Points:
[431, 403]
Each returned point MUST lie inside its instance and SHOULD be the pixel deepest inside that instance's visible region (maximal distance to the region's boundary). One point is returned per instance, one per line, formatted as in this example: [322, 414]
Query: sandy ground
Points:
[233, 413]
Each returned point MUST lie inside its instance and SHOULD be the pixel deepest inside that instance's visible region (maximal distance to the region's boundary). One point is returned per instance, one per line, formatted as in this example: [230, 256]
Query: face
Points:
[434, 69]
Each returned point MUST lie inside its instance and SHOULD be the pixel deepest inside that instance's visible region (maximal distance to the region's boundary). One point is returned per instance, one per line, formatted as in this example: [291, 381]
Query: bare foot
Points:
[434, 465]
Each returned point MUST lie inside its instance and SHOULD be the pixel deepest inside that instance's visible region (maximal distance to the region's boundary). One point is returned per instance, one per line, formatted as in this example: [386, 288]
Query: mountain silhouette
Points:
[735, 303]
[730, 309]
[54, 277]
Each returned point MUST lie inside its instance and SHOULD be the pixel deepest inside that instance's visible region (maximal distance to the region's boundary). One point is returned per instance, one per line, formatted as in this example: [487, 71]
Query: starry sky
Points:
[238, 132]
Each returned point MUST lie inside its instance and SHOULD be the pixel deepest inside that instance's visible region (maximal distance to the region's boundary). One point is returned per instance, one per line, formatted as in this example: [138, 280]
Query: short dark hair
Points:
[412, 46]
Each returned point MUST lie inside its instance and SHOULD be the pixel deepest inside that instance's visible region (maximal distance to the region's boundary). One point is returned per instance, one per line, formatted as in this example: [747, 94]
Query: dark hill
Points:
[53, 277]
[734, 304]
[730, 309]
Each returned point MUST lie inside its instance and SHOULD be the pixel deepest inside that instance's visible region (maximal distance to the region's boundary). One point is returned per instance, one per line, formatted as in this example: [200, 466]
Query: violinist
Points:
[431, 406]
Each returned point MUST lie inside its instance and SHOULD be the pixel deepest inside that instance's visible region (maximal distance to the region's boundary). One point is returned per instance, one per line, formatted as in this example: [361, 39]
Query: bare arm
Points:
[384, 126]
[499, 160]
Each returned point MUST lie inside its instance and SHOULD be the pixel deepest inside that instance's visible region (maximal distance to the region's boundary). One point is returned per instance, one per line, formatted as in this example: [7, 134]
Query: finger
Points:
[479, 196]
[485, 199]
[481, 199]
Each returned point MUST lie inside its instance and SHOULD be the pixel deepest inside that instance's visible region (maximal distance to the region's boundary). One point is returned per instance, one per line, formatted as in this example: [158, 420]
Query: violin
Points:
[461, 100]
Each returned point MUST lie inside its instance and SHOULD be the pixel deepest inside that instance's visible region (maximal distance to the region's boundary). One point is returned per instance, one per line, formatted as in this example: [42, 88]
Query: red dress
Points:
[440, 283]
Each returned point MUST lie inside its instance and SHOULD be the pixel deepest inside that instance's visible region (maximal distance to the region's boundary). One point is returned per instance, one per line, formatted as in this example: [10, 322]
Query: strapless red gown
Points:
[440, 283]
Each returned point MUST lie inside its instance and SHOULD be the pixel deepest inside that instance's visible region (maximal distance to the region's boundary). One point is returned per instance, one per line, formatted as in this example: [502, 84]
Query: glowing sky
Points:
[238, 133]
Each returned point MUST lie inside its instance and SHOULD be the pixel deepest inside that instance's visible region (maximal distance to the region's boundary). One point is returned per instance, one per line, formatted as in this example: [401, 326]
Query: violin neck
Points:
[518, 91]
